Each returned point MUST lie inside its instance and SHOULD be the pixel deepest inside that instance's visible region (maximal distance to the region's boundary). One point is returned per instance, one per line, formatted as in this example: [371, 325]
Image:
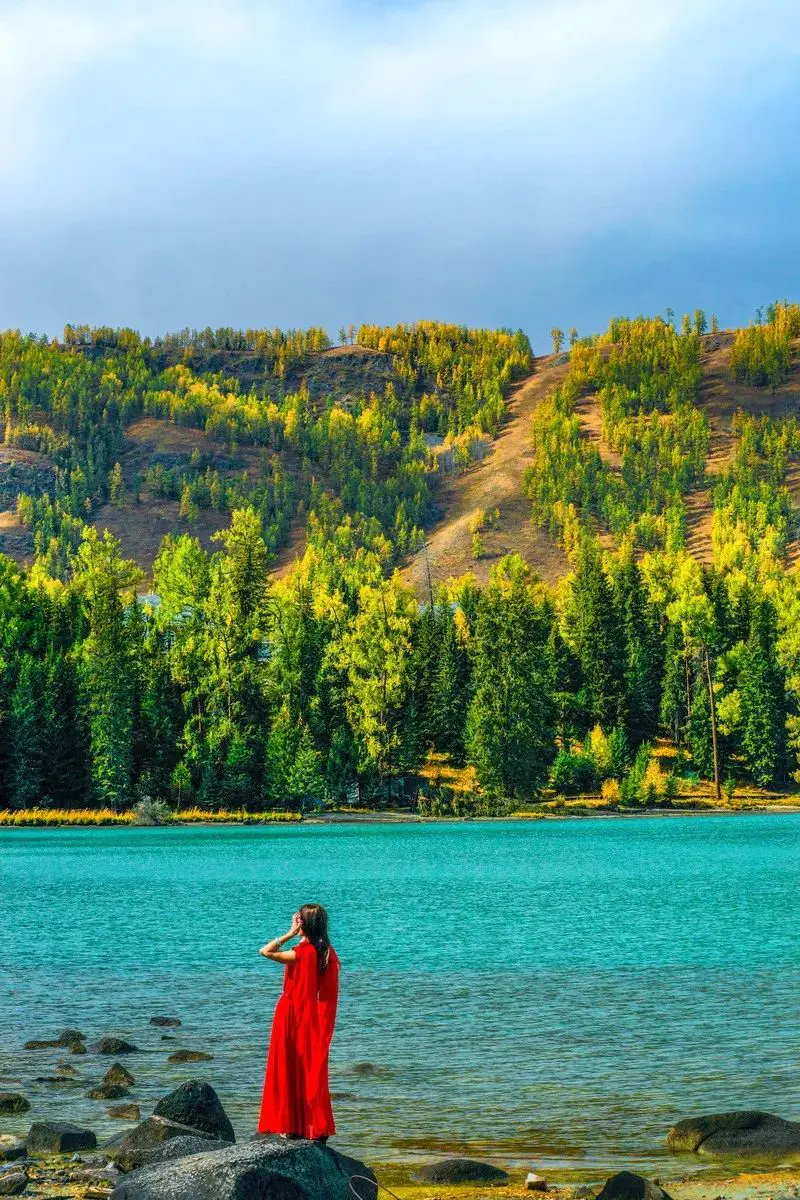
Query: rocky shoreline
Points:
[184, 1148]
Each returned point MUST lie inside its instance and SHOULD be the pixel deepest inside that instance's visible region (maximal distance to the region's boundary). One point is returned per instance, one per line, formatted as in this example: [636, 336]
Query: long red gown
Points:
[296, 1098]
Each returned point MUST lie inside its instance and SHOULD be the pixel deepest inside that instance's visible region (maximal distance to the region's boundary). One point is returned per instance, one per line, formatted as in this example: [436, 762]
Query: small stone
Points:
[12, 1103]
[189, 1056]
[165, 1022]
[13, 1182]
[535, 1183]
[59, 1137]
[108, 1091]
[114, 1045]
[65, 1068]
[124, 1112]
[76, 1158]
[119, 1075]
[167, 1037]
[11, 1148]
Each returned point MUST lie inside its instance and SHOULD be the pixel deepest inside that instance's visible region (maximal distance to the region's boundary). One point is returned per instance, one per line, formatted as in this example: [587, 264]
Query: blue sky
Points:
[502, 162]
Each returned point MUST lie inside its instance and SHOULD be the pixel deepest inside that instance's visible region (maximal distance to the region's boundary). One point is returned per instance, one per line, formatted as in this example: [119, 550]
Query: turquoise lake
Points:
[556, 992]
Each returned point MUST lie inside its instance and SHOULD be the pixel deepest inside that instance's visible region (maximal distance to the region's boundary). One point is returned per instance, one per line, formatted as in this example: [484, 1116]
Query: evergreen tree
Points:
[600, 644]
[763, 699]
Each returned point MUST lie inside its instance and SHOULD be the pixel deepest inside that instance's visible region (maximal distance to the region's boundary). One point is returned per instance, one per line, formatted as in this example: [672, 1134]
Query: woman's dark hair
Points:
[314, 923]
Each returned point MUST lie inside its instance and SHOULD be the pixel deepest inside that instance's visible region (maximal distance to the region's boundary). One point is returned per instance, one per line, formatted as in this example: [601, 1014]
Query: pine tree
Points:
[510, 725]
[599, 637]
[763, 699]
[28, 738]
[644, 654]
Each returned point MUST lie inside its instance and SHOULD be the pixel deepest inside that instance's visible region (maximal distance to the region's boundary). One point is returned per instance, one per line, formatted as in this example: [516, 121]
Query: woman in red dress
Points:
[296, 1099]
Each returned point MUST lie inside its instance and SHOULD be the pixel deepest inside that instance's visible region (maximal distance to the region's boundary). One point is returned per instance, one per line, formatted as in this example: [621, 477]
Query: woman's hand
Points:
[296, 928]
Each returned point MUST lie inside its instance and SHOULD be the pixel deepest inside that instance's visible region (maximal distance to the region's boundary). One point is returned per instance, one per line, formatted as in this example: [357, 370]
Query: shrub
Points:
[152, 812]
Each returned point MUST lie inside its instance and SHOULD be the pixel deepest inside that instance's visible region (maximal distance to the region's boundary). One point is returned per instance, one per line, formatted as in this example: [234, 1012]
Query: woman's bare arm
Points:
[273, 949]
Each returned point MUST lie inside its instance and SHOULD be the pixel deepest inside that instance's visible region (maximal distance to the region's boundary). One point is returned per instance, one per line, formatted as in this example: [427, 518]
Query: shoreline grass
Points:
[94, 817]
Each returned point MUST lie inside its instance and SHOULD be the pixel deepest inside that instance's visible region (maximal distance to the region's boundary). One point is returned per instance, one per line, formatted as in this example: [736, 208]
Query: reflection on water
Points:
[549, 991]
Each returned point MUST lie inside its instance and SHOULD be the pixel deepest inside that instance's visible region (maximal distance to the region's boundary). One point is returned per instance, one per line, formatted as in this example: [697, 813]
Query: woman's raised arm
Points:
[273, 949]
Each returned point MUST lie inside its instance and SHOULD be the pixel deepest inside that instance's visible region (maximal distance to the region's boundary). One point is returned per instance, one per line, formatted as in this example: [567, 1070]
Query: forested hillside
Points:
[647, 473]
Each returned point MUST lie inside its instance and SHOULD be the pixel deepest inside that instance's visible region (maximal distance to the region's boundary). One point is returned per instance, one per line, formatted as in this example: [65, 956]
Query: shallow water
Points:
[556, 991]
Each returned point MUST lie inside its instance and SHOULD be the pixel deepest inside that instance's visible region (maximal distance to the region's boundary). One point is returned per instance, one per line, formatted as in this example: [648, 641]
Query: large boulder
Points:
[178, 1147]
[457, 1171]
[746, 1134]
[627, 1186]
[11, 1148]
[12, 1103]
[58, 1137]
[196, 1104]
[265, 1169]
[155, 1131]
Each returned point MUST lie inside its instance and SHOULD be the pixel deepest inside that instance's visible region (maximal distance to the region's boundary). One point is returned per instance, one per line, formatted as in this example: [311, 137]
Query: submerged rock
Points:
[108, 1091]
[114, 1045]
[54, 1044]
[462, 1170]
[277, 1168]
[58, 1137]
[189, 1056]
[12, 1103]
[68, 1036]
[744, 1134]
[627, 1186]
[124, 1112]
[196, 1104]
[165, 1022]
[65, 1068]
[11, 1148]
[116, 1073]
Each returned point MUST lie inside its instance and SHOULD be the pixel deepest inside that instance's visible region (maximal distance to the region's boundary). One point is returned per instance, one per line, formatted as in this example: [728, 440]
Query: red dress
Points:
[296, 1098]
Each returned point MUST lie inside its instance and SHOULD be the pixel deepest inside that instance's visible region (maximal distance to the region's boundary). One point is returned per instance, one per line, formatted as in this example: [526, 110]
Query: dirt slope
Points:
[495, 482]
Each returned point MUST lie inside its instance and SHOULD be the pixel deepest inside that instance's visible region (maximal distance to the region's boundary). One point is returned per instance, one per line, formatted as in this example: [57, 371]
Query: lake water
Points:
[556, 992]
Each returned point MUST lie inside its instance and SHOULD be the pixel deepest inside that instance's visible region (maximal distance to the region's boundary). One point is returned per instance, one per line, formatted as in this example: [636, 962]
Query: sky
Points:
[522, 163]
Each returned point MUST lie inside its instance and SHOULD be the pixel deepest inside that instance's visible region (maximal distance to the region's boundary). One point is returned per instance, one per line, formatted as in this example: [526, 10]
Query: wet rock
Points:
[58, 1137]
[77, 1048]
[55, 1044]
[462, 1171]
[65, 1068]
[108, 1091]
[189, 1056]
[68, 1036]
[152, 1132]
[12, 1103]
[124, 1112]
[739, 1134]
[368, 1068]
[196, 1104]
[343, 1096]
[13, 1181]
[116, 1073]
[167, 1037]
[627, 1186]
[114, 1045]
[179, 1147]
[165, 1022]
[11, 1148]
[277, 1168]
[535, 1183]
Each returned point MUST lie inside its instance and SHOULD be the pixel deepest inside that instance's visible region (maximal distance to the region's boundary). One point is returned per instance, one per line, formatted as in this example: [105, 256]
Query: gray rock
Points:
[118, 1074]
[196, 1104]
[113, 1045]
[11, 1148]
[152, 1132]
[189, 1056]
[68, 1036]
[627, 1186]
[65, 1068]
[165, 1022]
[746, 1134]
[266, 1169]
[12, 1103]
[58, 1137]
[179, 1147]
[13, 1182]
[462, 1170]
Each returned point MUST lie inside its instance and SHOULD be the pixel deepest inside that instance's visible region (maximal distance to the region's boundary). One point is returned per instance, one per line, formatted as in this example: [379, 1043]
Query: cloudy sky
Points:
[502, 162]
